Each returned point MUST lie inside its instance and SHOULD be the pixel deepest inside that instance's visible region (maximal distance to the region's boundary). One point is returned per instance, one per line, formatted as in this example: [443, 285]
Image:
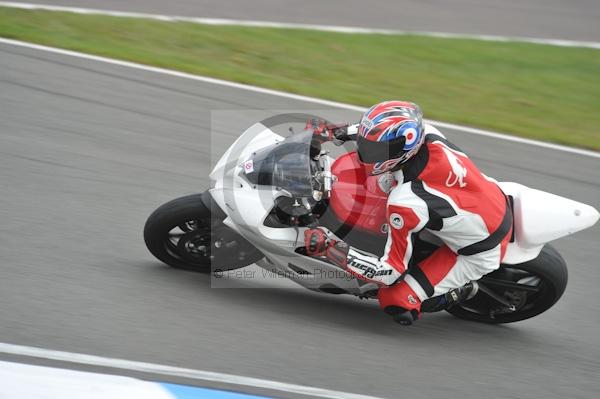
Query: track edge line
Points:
[159, 369]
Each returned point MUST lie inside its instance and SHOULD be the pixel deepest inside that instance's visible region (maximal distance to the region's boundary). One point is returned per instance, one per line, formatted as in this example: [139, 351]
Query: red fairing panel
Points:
[357, 199]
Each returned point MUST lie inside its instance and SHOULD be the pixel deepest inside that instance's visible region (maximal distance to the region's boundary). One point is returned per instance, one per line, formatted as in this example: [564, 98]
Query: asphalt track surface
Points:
[88, 150]
[547, 19]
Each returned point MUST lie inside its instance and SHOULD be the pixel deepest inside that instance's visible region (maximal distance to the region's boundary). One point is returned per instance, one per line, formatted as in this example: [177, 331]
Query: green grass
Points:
[537, 91]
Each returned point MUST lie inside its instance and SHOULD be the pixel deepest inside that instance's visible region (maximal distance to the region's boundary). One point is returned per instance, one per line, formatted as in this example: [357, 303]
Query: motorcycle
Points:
[267, 189]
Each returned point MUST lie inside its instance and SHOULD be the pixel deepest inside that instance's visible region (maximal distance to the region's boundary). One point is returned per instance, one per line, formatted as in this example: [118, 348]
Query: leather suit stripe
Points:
[438, 207]
[494, 239]
[416, 273]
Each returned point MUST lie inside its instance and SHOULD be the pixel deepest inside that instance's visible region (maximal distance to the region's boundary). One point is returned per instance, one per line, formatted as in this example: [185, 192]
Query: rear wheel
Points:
[183, 234]
[527, 290]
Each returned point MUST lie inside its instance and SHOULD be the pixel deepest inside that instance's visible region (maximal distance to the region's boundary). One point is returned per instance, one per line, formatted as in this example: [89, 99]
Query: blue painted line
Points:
[186, 392]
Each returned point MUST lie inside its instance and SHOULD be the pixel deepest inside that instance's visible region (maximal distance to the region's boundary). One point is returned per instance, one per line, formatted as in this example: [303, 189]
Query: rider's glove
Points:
[340, 133]
[318, 244]
[325, 131]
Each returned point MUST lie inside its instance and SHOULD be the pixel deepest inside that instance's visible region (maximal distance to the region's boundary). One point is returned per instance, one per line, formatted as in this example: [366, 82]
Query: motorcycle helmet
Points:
[389, 134]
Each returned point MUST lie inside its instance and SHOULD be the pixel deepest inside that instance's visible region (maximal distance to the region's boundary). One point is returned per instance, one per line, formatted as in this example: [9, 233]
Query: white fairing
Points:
[541, 217]
[247, 207]
[244, 203]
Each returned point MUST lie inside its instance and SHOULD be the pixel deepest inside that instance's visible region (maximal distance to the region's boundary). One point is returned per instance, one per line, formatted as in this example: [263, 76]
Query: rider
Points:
[439, 190]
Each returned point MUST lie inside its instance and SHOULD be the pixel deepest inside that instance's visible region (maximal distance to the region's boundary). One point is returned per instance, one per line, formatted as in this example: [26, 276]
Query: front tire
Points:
[547, 274]
[183, 234]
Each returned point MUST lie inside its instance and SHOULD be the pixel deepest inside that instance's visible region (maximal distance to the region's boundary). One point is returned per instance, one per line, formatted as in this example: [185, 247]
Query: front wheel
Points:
[183, 234]
[527, 289]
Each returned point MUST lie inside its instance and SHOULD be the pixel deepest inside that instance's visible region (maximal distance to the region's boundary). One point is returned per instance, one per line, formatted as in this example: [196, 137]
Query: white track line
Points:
[159, 369]
[282, 25]
[298, 97]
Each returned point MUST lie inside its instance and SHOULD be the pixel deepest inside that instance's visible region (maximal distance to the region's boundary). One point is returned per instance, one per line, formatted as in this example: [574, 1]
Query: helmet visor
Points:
[371, 152]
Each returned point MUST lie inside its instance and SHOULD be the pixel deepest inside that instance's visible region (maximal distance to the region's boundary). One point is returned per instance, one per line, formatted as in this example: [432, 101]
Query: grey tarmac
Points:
[88, 150]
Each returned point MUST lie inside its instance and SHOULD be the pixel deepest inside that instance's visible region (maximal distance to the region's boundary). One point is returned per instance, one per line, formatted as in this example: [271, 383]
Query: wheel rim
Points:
[196, 242]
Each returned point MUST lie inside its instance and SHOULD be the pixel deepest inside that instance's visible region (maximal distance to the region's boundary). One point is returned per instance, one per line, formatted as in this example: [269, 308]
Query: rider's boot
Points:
[450, 298]
[400, 302]
[401, 315]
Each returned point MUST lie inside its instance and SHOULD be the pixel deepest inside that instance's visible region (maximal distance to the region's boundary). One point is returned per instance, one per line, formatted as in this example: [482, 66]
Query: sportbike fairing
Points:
[261, 172]
[285, 165]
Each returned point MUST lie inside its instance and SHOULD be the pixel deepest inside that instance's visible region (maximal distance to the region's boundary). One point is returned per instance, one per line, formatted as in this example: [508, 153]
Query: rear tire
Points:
[552, 272]
[183, 234]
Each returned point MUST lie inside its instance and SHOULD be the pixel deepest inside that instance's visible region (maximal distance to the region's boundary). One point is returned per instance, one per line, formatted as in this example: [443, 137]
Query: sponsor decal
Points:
[385, 228]
[248, 166]
[396, 221]
[385, 182]
[411, 299]
[458, 173]
[368, 270]
[366, 123]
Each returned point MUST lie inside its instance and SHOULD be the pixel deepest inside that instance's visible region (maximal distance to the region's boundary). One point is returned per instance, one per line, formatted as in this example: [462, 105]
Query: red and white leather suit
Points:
[440, 190]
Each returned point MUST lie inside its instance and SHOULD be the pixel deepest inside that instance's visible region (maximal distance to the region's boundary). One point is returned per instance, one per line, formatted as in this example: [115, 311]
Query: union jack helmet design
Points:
[389, 134]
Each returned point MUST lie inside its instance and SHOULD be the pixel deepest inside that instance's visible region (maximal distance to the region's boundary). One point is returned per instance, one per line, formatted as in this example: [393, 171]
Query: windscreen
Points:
[285, 165]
